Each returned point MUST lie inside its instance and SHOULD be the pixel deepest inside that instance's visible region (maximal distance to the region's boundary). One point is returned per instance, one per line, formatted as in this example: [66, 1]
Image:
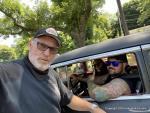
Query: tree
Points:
[145, 12]
[68, 16]
[21, 47]
[17, 19]
[132, 13]
[7, 53]
[106, 27]
[74, 17]
[135, 14]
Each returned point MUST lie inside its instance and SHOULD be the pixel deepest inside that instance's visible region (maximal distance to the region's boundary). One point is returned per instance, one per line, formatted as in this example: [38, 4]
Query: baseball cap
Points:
[51, 32]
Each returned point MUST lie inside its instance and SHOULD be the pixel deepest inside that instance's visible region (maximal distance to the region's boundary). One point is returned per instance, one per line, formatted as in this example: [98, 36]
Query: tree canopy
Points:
[79, 23]
[145, 11]
[76, 21]
[68, 16]
[137, 13]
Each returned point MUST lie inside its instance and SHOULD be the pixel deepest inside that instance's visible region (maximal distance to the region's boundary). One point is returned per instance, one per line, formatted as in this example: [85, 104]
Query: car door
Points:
[135, 103]
[123, 104]
[128, 104]
[138, 45]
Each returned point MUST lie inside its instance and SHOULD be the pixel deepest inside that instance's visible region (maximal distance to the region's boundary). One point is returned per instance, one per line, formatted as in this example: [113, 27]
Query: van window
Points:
[75, 75]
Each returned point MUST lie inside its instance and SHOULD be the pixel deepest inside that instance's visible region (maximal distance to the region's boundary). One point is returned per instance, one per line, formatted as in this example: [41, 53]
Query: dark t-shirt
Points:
[24, 89]
[123, 77]
[130, 83]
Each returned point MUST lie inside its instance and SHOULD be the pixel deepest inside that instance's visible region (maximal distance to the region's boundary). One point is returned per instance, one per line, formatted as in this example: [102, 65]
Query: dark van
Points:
[137, 49]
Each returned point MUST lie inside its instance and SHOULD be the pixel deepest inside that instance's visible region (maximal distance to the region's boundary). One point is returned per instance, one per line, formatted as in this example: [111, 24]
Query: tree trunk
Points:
[78, 31]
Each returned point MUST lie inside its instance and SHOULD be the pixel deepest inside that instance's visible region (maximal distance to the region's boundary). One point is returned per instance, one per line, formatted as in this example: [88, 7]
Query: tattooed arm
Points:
[113, 89]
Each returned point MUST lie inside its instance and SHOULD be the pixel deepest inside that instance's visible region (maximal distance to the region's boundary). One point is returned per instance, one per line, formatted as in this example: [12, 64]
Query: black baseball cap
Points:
[51, 32]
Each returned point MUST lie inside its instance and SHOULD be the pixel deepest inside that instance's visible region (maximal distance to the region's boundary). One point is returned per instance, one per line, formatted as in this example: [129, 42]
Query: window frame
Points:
[139, 59]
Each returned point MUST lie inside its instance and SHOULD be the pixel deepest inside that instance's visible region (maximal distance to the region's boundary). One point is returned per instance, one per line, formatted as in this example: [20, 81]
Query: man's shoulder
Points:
[11, 72]
[52, 72]
[10, 68]
[10, 64]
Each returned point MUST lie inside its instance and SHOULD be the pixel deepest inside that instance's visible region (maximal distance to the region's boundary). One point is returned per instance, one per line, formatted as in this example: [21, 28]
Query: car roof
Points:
[105, 46]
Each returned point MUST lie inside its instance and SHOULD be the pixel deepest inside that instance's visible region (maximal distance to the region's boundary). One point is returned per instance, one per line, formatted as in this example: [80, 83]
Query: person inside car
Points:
[78, 80]
[100, 72]
[116, 84]
[29, 85]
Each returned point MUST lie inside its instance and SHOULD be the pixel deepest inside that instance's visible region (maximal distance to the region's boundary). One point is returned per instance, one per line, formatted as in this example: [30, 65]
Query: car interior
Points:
[75, 75]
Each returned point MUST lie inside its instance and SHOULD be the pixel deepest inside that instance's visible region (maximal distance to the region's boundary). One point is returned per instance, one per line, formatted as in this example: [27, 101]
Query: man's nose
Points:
[47, 52]
[110, 66]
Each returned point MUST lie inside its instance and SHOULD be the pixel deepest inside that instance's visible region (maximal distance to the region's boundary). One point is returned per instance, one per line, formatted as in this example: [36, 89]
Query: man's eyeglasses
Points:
[113, 63]
[43, 47]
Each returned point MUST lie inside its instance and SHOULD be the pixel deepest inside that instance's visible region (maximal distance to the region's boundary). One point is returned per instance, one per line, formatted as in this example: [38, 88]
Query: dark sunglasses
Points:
[113, 63]
[43, 47]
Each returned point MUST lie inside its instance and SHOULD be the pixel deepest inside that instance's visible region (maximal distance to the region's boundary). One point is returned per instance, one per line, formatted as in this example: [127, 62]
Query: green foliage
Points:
[78, 21]
[67, 43]
[137, 13]
[132, 13]
[76, 17]
[16, 17]
[20, 19]
[145, 11]
[105, 26]
[21, 47]
[115, 29]
[7, 54]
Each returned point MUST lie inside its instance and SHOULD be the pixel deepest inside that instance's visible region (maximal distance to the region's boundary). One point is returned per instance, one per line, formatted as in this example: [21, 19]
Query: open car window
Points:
[75, 75]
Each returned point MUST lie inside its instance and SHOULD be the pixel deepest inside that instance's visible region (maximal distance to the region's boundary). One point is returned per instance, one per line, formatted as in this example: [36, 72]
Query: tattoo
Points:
[100, 94]
[113, 89]
[91, 86]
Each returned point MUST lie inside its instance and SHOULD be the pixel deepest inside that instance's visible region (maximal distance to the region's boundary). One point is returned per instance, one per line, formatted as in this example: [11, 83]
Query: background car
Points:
[137, 49]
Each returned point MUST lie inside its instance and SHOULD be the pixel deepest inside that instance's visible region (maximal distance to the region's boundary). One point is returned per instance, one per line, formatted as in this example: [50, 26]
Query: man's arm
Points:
[113, 89]
[83, 105]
